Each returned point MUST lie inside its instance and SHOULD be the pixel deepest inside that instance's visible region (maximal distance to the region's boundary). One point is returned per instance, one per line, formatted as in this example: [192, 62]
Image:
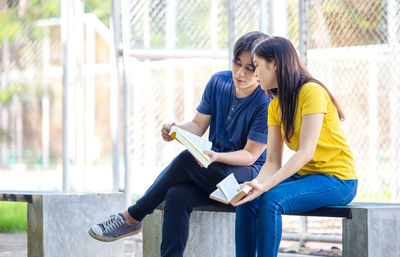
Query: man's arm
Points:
[244, 157]
[197, 126]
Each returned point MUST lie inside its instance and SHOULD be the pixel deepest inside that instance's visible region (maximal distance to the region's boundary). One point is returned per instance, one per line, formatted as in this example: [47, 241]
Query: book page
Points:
[229, 186]
[243, 191]
[199, 142]
[217, 195]
[193, 143]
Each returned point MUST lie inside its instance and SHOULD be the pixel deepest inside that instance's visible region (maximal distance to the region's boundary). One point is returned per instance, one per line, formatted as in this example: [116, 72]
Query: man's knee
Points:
[176, 199]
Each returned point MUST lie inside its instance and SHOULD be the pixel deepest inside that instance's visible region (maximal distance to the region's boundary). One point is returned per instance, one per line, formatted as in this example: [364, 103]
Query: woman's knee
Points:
[248, 208]
[270, 201]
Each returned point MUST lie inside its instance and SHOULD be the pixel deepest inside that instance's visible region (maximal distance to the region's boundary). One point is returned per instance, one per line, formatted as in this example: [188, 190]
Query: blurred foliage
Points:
[16, 19]
[366, 18]
[6, 97]
[7, 94]
[100, 8]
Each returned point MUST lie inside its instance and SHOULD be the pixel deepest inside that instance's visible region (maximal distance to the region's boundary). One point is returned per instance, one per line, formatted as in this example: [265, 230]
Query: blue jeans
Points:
[184, 185]
[259, 223]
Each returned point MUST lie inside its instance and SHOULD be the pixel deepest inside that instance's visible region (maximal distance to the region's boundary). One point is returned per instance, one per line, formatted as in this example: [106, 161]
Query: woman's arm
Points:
[271, 173]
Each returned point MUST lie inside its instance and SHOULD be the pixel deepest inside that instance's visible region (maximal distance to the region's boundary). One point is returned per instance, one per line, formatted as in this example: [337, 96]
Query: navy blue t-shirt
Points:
[234, 120]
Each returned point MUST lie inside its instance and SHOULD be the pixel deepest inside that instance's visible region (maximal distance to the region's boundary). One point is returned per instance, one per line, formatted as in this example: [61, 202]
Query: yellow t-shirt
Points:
[332, 155]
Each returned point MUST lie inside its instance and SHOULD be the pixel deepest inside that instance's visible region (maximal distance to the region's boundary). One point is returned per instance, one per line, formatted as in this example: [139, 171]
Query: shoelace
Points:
[112, 223]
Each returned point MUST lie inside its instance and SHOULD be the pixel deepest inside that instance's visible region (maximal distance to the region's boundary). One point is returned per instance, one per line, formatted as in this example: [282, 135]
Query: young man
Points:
[235, 108]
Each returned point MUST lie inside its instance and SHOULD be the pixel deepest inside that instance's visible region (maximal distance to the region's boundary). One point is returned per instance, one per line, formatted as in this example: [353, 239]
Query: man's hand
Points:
[165, 131]
[213, 155]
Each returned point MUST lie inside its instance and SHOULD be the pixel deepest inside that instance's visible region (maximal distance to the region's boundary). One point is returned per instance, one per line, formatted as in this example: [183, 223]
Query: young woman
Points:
[234, 108]
[321, 172]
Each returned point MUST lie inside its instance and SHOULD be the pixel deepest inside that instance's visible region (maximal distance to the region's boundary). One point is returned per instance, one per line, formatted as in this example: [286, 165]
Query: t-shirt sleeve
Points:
[204, 106]
[314, 99]
[259, 128]
[273, 113]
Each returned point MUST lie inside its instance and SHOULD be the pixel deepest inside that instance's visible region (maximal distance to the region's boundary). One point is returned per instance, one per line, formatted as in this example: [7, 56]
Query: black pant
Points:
[184, 185]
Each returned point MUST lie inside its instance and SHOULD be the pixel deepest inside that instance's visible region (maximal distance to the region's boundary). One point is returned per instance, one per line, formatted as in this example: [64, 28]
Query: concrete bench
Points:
[369, 230]
[58, 222]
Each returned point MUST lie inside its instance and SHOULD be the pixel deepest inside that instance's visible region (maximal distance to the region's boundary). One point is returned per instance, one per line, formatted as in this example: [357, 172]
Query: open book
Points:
[195, 144]
[228, 191]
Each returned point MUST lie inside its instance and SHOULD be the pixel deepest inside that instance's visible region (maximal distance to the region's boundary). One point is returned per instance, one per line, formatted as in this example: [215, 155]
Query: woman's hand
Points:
[257, 189]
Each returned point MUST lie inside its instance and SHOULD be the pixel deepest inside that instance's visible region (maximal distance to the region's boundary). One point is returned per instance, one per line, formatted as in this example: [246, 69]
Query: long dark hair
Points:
[291, 76]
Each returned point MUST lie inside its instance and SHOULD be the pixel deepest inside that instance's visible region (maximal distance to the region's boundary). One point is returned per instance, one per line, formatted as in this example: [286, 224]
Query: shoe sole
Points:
[111, 239]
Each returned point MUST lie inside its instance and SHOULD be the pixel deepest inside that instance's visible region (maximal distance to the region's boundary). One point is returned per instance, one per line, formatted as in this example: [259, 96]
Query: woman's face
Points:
[243, 75]
[265, 73]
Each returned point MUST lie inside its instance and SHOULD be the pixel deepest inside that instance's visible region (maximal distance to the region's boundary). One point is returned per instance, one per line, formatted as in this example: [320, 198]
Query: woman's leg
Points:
[304, 193]
[246, 227]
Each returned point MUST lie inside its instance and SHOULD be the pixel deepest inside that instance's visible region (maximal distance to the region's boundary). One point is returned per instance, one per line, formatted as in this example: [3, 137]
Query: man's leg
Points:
[181, 199]
[184, 168]
[177, 172]
[179, 203]
[129, 222]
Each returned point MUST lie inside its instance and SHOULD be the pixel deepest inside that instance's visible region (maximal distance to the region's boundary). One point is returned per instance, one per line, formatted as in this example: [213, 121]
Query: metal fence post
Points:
[264, 17]
[66, 42]
[303, 44]
[303, 31]
[232, 31]
[393, 40]
[115, 92]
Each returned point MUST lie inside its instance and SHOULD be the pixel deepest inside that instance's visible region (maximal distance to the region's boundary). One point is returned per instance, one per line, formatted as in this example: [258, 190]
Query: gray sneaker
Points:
[114, 228]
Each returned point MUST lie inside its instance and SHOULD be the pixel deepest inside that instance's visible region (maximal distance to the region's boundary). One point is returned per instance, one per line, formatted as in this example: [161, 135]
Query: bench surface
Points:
[11, 196]
[23, 196]
[330, 211]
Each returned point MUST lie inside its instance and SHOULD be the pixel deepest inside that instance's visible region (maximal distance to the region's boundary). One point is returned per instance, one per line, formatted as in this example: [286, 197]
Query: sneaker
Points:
[114, 228]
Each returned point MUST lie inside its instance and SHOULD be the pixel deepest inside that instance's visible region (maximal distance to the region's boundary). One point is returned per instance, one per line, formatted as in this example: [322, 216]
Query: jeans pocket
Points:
[352, 185]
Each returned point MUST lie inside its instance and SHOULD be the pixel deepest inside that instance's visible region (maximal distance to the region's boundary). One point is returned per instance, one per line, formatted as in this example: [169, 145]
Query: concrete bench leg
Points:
[211, 234]
[58, 224]
[372, 232]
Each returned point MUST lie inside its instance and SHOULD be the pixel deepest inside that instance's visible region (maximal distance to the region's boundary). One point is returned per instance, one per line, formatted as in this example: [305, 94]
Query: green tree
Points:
[100, 8]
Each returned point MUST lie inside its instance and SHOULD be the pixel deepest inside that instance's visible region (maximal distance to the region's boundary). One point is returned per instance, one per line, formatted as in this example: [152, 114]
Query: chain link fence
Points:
[351, 46]
[173, 48]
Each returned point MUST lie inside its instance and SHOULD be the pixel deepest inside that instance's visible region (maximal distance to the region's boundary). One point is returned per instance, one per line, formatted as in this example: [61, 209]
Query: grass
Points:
[13, 217]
